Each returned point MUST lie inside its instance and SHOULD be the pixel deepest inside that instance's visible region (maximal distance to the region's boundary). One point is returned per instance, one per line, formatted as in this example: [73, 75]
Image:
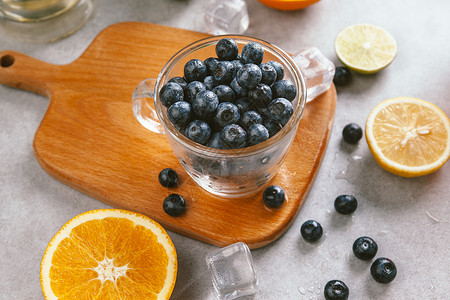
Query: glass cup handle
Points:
[317, 70]
[144, 105]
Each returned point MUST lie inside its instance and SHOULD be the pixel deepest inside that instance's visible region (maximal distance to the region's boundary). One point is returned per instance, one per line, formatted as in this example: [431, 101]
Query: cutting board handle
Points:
[24, 72]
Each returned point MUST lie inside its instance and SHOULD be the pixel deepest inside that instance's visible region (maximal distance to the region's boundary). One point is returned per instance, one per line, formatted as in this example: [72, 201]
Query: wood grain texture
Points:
[90, 140]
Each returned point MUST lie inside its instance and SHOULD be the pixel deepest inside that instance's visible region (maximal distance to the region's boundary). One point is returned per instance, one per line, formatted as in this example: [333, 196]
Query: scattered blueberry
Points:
[352, 133]
[256, 134]
[280, 110]
[365, 248]
[170, 93]
[209, 82]
[226, 113]
[342, 76]
[215, 141]
[192, 89]
[273, 196]
[249, 118]
[224, 93]
[252, 53]
[168, 178]
[224, 72]
[249, 76]
[278, 68]
[234, 136]
[311, 231]
[345, 204]
[269, 74]
[205, 104]
[227, 49]
[198, 131]
[383, 270]
[284, 89]
[211, 64]
[174, 205]
[336, 290]
[180, 113]
[195, 70]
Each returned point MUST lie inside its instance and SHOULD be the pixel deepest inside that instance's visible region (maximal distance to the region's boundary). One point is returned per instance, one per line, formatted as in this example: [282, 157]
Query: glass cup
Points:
[43, 20]
[222, 172]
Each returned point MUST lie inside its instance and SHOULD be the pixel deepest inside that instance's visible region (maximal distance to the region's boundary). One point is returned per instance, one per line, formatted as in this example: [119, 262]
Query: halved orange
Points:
[109, 254]
[408, 136]
[288, 4]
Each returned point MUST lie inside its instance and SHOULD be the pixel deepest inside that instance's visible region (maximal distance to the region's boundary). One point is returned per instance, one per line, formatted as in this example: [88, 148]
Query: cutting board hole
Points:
[7, 61]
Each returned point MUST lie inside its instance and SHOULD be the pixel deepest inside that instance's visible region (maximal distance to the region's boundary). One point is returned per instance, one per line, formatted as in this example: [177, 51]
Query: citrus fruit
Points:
[408, 136]
[365, 48]
[109, 254]
[288, 4]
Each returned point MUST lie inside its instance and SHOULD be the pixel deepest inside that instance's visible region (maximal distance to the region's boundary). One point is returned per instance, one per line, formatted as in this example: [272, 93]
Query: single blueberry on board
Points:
[210, 82]
[180, 80]
[168, 177]
[336, 290]
[233, 136]
[198, 131]
[227, 49]
[284, 89]
[272, 126]
[249, 76]
[345, 204]
[192, 89]
[170, 93]
[180, 113]
[174, 205]
[215, 141]
[365, 248]
[252, 53]
[224, 93]
[269, 74]
[211, 64]
[278, 68]
[383, 270]
[280, 110]
[205, 104]
[249, 118]
[342, 76]
[195, 70]
[223, 73]
[311, 231]
[226, 113]
[256, 134]
[352, 133]
[273, 196]
[238, 90]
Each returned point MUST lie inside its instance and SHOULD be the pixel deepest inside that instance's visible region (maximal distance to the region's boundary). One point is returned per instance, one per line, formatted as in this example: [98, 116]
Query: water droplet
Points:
[302, 290]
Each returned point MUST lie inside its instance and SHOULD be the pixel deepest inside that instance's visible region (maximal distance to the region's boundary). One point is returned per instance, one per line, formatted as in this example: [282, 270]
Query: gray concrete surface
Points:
[409, 218]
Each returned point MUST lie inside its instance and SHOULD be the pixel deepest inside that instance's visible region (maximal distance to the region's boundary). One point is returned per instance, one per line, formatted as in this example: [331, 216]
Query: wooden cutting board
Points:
[90, 140]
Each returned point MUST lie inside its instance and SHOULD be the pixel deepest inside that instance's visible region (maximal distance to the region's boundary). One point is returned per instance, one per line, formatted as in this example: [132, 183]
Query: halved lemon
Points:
[408, 136]
[288, 4]
[365, 48]
[109, 254]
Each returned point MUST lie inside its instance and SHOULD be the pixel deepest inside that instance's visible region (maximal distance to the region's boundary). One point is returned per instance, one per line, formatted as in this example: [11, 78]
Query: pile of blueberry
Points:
[230, 101]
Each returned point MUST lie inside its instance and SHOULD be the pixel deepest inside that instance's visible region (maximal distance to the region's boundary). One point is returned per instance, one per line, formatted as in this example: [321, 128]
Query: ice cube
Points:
[225, 17]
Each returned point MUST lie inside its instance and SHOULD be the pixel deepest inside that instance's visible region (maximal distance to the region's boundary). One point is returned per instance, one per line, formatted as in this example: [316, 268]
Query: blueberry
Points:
[215, 141]
[278, 68]
[227, 49]
[211, 64]
[226, 113]
[280, 110]
[249, 76]
[342, 76]
[180, 113]
[237, 64]
[243, 104]
[352, 133]
[336, 290]
[273, 196]
[284, 89]
[261, 93]
[168, 178]
[365, 248]
[383, 270]
[238, 90]
[198, 131]
[180, 80]
[269, 74]
[345, 204]
[272, 126]
[252, 53]
[205, 104]
[249, 118]
[195, 70]
[234, 136]
[256, 134]
[311, 231]
[210, 82]
[192, 89]
[174, 205]
[224, 93]
[170, 93]
[224, 72]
